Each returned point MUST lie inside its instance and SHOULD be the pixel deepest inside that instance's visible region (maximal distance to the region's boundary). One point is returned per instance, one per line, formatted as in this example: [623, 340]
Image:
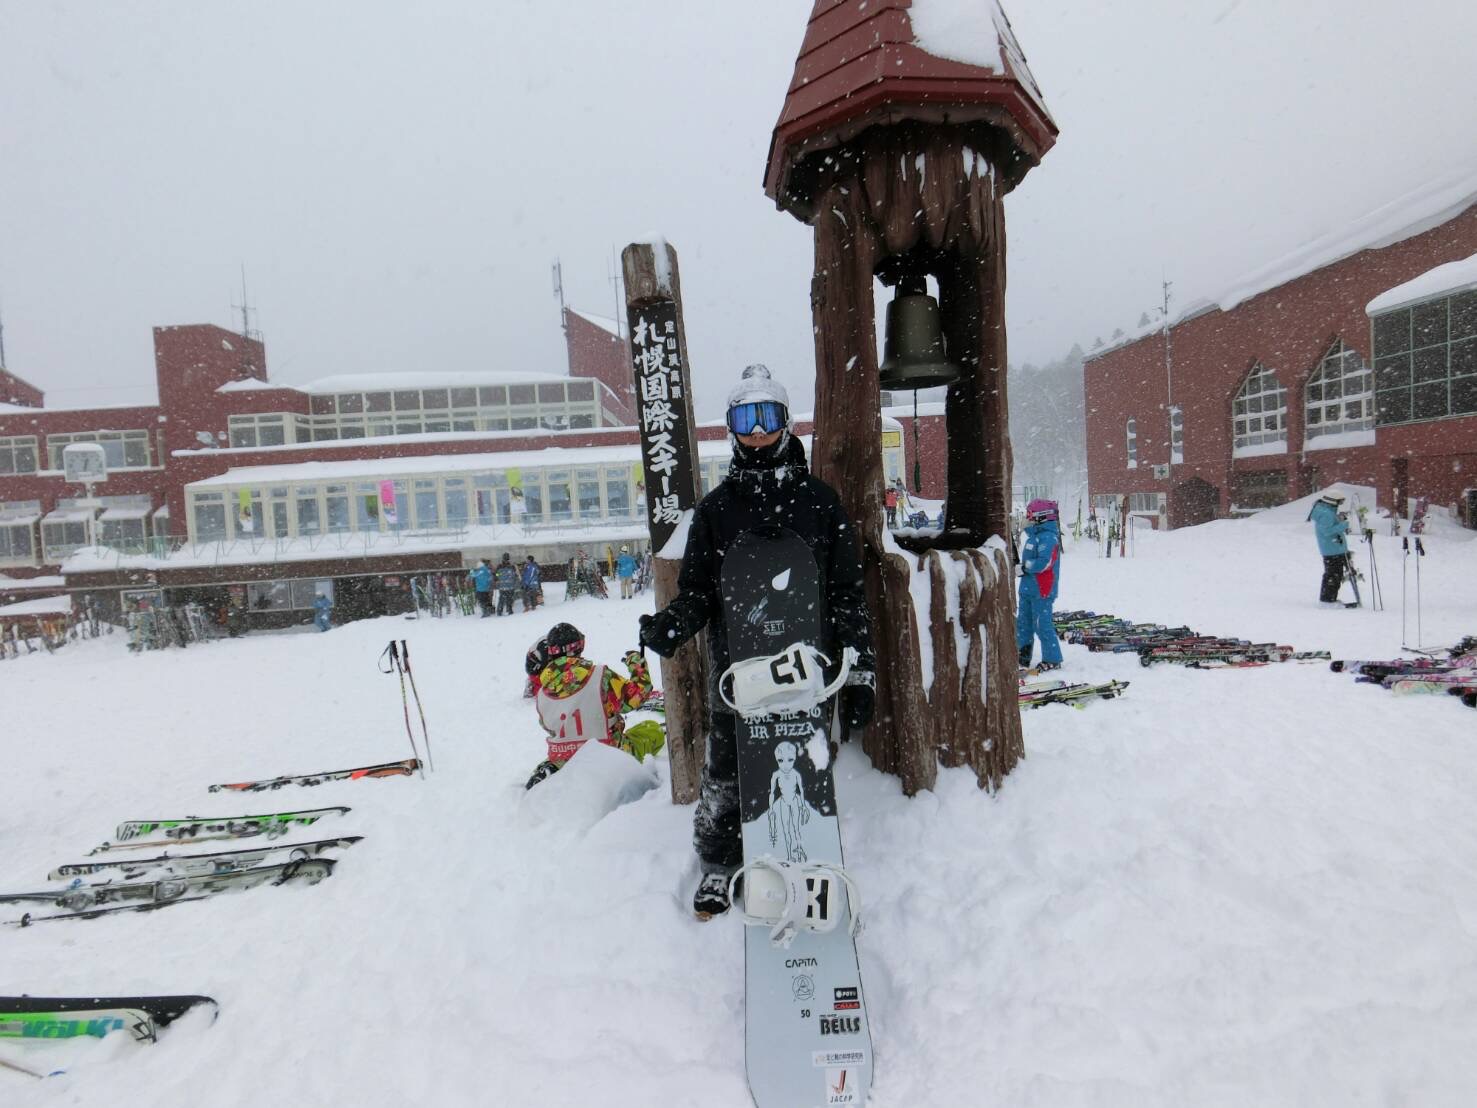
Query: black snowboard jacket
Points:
[787, 496]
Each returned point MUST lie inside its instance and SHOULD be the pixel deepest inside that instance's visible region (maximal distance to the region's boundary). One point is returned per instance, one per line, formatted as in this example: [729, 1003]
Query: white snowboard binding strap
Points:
[790, 897]
[794, 680]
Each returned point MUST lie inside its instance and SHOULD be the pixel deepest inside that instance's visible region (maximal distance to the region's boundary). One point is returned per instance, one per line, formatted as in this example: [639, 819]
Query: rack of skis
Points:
[142, 868]
[1451, 671]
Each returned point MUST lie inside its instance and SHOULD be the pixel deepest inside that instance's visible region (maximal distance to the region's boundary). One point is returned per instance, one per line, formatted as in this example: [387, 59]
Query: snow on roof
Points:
[67, 515]
[15, 584]
[905, 411]
[40, 606]
[953, 29]
[1443, 280]
[18, 521]
[381, 468]
[115, 514]
[605, 323]
[1440, 199]
[251, 384]
[384, 382]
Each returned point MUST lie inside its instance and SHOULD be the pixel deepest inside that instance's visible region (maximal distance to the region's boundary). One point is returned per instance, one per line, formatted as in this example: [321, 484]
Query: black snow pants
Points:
[1333, 576]
[715, 824]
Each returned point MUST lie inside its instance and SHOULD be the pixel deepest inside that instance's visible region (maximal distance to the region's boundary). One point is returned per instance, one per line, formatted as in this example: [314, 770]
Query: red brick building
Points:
[1287, 384]
[234, 489]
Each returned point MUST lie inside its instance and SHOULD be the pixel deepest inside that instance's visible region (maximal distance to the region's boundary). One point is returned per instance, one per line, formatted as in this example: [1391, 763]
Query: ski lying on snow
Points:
[1071, 694]
[191, 826]
[83, 901]
[220, 861]
[57, 1017]
[402, 768]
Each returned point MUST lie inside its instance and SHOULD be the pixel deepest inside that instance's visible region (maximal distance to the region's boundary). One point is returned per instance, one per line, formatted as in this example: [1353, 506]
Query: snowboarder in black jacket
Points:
[767, 485]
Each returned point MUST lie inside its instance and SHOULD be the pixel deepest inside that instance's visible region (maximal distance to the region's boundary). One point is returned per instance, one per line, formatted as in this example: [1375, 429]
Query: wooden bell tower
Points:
[899, 157]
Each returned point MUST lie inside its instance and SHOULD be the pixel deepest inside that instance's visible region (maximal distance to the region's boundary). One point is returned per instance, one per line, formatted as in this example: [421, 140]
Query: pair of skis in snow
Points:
[1037, 694]
[26, 1020]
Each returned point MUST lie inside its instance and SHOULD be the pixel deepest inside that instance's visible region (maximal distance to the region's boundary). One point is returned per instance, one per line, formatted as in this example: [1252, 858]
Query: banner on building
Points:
[243, 507]
[387, 503]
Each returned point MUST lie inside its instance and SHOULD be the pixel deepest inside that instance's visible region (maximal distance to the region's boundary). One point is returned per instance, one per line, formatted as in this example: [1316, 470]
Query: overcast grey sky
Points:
[398, 178]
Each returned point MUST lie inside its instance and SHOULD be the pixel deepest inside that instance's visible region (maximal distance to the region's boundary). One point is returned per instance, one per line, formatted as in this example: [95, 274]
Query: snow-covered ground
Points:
[1226, 888]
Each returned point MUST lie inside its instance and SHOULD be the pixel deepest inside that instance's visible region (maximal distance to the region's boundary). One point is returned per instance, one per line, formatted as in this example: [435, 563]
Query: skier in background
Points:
[625, 569]
[506, 580]
[768, 484]
[531, 580]
[323, 611]
[481, 578]
[579, 700]
[1330, 525]
[1040, 565]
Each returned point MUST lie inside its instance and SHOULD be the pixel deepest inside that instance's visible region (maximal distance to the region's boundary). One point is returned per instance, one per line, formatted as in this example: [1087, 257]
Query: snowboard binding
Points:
[790, 897]
[794, 680]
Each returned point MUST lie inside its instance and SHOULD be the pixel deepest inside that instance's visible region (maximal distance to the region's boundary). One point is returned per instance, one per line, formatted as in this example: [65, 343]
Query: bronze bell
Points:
[913, 349]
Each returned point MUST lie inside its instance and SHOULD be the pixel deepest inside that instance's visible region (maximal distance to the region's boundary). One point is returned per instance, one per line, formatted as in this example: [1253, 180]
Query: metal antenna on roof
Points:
[559, 291]
[2, 341]
[245, 309]
[617, 286]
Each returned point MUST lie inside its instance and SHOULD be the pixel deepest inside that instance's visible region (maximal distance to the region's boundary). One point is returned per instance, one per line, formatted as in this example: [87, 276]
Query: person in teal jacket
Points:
[1041, 577]
[1330, 525]
[481, 579]
[625, 569]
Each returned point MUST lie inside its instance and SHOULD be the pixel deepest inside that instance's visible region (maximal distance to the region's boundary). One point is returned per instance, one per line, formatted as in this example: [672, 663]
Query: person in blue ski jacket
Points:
[1041, 577]
[323, 611]
[505, 578]
[481, 579]
[1330, 525]
[625, 569]
[531, 579]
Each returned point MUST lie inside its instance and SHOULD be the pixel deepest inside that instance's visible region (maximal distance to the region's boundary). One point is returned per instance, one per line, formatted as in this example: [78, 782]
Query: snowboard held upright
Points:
[806, 1039]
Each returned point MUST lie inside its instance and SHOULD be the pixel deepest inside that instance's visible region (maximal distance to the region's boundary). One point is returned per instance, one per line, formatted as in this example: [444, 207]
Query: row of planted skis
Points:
[113, 878]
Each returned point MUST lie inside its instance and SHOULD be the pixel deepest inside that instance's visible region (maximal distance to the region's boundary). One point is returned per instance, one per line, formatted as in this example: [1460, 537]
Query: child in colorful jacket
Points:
[579, 700]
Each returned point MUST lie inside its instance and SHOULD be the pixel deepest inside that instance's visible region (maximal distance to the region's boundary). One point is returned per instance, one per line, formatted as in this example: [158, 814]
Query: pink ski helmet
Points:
[1041, 509]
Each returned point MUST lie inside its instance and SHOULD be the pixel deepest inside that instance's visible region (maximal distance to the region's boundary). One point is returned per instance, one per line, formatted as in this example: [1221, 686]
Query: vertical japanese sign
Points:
[662, 417]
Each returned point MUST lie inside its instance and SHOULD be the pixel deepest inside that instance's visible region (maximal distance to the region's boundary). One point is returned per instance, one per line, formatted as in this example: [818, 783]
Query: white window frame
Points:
[283, 423]
[1131, 442]
[1341, 383]
[1261, 400]
[13, 446]
[56, 443]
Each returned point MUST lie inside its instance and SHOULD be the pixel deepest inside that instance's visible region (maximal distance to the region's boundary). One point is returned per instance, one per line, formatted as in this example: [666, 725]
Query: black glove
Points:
[858, 698]
[659, 633]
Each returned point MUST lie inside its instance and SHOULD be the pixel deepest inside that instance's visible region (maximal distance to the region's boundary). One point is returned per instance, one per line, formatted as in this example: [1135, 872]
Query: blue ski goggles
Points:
[761, 415]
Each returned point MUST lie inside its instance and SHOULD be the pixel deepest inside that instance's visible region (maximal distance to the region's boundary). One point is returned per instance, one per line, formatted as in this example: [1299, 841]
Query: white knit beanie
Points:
[756, 384]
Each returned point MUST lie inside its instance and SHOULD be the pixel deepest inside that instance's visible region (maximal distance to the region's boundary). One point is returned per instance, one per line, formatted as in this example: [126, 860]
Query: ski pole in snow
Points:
[425, 735]
[1420, 552]
[1404, 575]
[392, 655]
[1376, 596]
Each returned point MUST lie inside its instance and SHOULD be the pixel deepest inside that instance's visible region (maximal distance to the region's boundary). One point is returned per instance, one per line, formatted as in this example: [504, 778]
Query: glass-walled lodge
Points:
[477, 404]
[592, 487]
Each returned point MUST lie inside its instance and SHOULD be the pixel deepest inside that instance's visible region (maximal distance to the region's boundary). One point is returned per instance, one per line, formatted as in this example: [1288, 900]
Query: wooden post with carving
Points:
[669, 461]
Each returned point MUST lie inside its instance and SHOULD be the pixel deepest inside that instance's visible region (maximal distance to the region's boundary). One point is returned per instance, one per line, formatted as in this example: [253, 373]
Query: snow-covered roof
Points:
[953, 29]
[381, 468]
[905, 411]
[605, 323]
[40, 606]
[1443, 280]
[115, 514]
[19, 521]
[50, 581]
[67, 515]
[1442, 198]
[384, 382]
[251, 384]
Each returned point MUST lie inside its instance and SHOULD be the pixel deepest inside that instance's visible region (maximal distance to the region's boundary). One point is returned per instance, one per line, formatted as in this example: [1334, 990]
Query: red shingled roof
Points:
[859, 65]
